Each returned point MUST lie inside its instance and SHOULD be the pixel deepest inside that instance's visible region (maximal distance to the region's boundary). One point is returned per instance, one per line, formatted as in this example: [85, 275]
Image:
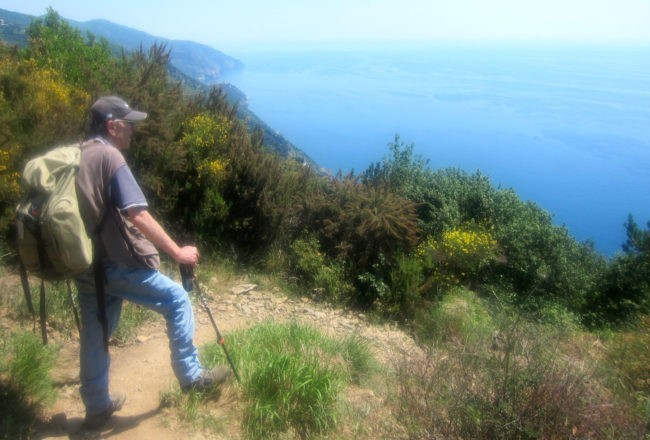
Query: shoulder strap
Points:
[43, 313]
[27, 292]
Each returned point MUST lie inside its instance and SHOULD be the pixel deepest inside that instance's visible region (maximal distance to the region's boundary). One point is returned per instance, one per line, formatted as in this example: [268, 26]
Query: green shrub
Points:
[459, 256]
[459, 317]
[366, 226]
[403, 297]
[624, 289]
[316, 272]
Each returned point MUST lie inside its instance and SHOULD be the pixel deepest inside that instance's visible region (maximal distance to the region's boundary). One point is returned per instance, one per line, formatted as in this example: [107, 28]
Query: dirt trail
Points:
[142, 369]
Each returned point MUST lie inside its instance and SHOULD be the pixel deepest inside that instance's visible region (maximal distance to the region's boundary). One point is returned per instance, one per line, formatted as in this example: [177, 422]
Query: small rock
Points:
[243, 288]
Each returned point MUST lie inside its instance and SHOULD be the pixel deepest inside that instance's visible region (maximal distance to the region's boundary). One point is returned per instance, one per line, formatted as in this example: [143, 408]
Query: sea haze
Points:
[567, 127]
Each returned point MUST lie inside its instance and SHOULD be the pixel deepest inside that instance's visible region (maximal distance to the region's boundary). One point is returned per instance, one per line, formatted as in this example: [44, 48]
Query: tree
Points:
[84, 62]
[624, 290]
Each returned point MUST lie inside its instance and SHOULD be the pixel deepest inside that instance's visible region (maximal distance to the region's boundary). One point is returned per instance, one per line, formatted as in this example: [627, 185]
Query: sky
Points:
[241, 23]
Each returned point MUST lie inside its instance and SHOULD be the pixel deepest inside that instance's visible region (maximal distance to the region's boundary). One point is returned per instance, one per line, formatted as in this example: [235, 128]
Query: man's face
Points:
[120, 132]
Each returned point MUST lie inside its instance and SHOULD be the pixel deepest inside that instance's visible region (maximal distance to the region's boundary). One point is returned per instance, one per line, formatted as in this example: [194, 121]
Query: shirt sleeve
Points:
[125, 192]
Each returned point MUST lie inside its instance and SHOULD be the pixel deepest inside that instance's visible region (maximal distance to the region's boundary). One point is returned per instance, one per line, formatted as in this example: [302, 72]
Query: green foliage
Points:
[157, 159]
[292, 376]
[458, 317]
[459, 257]
[522, 251]
[316, 271]
[542, 260]
[369, 227]
[205, 137]
[54, 44]
[405, 280]
[25, 383]
[29, 367]
[625, 286]
[208, 178]
[259, 193]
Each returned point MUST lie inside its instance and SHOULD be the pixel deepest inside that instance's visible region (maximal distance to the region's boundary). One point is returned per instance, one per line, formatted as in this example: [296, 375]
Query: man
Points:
[114, 207]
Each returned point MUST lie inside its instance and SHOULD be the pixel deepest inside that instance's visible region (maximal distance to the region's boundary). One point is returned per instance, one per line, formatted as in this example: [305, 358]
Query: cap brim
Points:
[135, 116]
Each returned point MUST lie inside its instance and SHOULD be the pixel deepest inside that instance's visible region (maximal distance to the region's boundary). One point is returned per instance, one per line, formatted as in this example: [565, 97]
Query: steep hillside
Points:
[195, 60]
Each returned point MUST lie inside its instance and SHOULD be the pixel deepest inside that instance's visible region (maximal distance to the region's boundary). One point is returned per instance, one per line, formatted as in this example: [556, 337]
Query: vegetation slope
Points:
[399, 240]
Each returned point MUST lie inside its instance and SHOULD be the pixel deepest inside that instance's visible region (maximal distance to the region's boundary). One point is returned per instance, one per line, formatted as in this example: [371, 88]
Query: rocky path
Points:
[142, 369]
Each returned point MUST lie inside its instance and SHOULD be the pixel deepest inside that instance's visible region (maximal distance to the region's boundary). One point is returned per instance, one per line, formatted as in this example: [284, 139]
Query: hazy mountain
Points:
[197, 61]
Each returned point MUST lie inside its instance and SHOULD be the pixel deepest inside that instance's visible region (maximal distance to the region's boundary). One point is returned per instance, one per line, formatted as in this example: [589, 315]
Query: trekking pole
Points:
[187, 275]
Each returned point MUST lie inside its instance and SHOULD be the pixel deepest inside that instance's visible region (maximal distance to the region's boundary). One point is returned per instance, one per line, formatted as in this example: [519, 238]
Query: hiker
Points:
[113, 206]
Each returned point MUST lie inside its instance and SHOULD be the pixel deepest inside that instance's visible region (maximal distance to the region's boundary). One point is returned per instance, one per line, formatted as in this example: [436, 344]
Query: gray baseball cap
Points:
[112, 107]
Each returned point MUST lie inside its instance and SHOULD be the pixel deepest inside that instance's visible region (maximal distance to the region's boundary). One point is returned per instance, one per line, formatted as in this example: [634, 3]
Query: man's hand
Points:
[187, 255]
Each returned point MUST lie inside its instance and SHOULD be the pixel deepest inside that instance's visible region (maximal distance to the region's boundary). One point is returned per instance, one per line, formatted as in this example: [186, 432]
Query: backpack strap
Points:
[100, 283]
[41, 260]
[27, 292]
[43, 312]
[100, 292]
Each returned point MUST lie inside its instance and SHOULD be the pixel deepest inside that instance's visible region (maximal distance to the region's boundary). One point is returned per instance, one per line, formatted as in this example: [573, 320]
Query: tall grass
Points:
[292, 378]
[628, 359]
[505, 379]
[25, 383]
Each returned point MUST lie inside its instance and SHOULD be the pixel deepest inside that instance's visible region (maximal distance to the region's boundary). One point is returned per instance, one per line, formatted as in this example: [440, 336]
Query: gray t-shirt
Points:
[105, 189]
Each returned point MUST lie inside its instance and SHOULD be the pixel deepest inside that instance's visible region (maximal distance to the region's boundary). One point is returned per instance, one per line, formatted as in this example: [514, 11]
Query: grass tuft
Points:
[292, 379]
[25, 383]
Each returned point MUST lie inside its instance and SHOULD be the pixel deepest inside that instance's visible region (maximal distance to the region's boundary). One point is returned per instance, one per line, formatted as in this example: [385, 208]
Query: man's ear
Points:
[111, 127]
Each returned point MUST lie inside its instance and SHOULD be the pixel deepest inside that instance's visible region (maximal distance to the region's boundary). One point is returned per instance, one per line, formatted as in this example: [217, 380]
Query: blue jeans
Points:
[148, 288]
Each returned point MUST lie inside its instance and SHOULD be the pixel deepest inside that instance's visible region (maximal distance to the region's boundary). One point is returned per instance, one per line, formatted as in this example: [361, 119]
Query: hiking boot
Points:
[95, 421]
[209, 379]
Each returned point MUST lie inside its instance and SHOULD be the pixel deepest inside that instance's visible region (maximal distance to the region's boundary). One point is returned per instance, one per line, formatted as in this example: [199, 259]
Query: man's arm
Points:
[155, 233]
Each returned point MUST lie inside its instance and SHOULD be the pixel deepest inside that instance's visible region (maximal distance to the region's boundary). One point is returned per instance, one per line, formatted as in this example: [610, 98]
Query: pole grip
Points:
[187, 276]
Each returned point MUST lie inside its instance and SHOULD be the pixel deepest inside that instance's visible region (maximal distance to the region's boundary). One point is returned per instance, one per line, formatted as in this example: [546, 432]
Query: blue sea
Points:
[567, 127]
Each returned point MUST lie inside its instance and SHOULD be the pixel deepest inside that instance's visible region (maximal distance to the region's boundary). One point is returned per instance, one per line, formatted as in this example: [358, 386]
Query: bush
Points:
[459, 317]
[458, 257]
[403, 297]
[624, 289]
[515, 384]
[316, 272]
